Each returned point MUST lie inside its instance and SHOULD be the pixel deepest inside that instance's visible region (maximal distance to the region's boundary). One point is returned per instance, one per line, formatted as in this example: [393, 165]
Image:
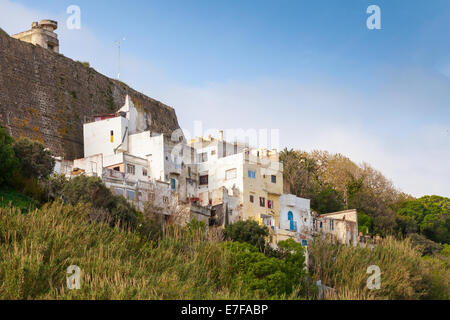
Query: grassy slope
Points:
[37, 248]
[404, 273]
[11, 198]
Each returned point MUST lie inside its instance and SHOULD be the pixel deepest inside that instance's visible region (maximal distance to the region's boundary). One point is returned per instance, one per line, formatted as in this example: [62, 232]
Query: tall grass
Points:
[404, 273]
[37, 248]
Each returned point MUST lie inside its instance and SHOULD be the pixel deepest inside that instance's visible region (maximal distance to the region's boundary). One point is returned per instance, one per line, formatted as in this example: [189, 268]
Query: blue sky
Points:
[310, 69]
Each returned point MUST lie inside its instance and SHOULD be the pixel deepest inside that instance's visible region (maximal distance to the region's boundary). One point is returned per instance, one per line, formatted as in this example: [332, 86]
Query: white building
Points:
[137, 163]
[296, 219]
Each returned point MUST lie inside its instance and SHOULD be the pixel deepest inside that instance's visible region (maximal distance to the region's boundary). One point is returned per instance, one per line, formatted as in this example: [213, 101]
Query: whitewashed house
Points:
[296, 219]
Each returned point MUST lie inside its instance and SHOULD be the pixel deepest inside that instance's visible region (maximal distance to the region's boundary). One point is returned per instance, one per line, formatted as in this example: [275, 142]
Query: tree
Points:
[106, 206]
[35, 161]
[365, 224]
[327, 200]
[53, 187]
[8, 160]
[429, 215]
[247, 231]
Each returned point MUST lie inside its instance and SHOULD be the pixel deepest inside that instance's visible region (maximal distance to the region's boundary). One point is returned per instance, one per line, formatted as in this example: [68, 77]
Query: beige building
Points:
[41, 34]
[339, 226]
[252, 176]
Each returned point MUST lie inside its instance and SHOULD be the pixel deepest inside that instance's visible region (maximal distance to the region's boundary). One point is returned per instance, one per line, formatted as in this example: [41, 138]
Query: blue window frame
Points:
[252, 174]
[304, 243]
[173, 184]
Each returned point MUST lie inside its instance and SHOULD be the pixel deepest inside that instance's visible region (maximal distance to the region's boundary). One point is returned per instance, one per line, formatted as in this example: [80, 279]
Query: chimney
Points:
[221, 135]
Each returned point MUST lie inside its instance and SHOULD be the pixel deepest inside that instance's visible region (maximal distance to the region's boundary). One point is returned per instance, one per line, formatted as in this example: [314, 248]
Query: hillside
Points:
[38, 247]
[46, 96]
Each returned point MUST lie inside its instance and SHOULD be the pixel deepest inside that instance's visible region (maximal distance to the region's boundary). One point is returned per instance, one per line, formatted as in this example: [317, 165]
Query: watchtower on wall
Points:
[41, 34]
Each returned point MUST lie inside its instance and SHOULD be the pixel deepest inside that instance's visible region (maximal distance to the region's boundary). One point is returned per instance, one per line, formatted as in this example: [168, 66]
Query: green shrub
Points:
[36, 249]
[10, 198]
[247, 231]
[8, 159]
[105, 206]
[404, 273]
[35, 161]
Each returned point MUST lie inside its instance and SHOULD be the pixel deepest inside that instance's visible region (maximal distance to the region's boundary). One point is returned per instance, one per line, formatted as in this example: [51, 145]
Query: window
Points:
[130, 194]
[235, 148]
[112, 136]
[252, 174]
[213, 152]
[321, 225]
[252, 199]
[118, 191]
[304, 243]
[151, 196]
[189, 172]
[290, 216]
[204, 180]
[166, 199]
[230, 174]
[173, 184]
[262, 202]
[270, 204]
[144, 172]
[116, 169]
[274, 179]
[204, 157]
[131, 169]
[332, 224]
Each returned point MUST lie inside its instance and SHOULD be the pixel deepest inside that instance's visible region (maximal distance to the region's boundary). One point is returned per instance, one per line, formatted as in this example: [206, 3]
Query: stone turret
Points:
[41, 34]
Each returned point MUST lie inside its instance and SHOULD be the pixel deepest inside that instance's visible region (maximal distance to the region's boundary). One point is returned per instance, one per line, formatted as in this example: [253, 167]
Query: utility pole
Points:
[118, 44]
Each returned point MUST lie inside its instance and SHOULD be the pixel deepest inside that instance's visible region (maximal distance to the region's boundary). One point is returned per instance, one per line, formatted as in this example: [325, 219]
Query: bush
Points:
[8, 160]
[115, 264]
[35, 161]
[247, 231]
[10, 198]
[268, 277]
[106, 206]
[53, 187]
[405, 274]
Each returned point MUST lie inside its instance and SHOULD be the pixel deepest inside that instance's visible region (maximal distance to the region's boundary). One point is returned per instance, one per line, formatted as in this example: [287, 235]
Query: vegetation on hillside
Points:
[333, 182]
[48, 223]
[37, 248]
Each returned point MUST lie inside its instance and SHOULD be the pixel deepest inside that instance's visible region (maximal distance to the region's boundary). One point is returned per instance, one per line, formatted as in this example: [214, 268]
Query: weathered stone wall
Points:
[46, 97]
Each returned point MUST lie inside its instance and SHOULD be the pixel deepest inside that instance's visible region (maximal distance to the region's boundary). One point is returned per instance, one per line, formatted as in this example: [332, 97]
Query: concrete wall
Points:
[97, 136]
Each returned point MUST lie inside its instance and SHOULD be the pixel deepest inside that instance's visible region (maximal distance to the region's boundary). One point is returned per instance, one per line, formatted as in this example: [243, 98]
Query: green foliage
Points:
[424, 245]
[429, 215]
[365, 224]
[35, 161]
[36, 249]
[53, 187]
[405, 274]
[446, 250]
[267, 277]
[10, 198]
[8, 160]
[327, 200]
[195, 226]
[106, 206]
[84, 63]
[294, 261]
[247, 231]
